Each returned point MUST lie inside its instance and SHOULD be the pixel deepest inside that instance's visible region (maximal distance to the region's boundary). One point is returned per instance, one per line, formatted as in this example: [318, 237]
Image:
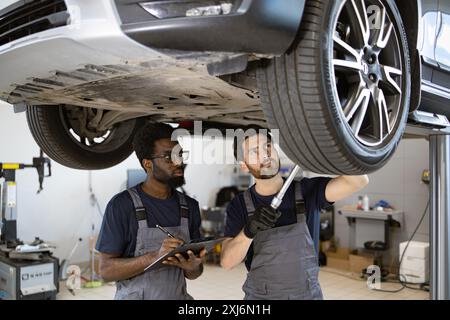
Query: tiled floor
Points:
[217, 284]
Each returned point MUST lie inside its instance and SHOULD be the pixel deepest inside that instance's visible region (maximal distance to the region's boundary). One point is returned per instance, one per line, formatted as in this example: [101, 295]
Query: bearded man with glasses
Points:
[131, 237]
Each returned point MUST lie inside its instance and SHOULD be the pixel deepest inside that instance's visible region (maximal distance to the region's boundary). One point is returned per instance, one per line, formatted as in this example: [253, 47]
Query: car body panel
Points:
[443, 36]
[258, 26]
[428, 30]
[435, 83]
[70, 47]
[6, 3]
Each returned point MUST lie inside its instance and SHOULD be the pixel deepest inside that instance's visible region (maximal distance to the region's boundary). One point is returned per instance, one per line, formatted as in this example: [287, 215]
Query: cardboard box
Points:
[338, 259]
[359, 261]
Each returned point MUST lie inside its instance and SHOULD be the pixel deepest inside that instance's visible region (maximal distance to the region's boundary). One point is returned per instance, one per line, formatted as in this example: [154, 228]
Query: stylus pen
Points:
[165, 231]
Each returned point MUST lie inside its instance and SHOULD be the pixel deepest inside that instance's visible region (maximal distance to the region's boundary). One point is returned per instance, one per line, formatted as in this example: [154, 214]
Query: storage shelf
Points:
[352, 212]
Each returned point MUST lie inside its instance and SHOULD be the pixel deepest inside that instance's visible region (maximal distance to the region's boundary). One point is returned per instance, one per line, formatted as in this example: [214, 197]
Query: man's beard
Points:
[172, 181]
[265, 173]
[176, 182]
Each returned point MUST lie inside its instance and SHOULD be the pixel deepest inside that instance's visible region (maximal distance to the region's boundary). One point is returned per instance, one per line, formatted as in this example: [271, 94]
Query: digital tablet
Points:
[195, 246]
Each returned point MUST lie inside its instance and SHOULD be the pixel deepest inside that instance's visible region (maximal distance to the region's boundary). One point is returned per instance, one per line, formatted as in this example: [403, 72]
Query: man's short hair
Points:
[145, 138]
[239, 140]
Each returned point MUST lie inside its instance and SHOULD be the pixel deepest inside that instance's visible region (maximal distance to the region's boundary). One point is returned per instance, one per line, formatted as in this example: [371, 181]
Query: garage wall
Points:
[399, 183]
[63, 212]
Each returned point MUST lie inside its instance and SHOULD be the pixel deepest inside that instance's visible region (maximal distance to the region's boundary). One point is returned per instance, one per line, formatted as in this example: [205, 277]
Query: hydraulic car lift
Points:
[439, 208]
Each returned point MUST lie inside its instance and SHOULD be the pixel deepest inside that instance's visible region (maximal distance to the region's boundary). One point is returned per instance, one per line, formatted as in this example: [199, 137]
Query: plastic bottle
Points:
[359, 206]
[366, 202]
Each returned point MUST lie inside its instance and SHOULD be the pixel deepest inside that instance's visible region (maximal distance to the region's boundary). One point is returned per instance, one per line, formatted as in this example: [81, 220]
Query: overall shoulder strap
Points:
[138, 205]
[249, 202]
[184, 208]
[299, 201]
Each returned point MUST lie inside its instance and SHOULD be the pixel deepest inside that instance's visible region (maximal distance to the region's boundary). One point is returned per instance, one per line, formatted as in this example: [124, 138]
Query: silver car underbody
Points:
[91, 63]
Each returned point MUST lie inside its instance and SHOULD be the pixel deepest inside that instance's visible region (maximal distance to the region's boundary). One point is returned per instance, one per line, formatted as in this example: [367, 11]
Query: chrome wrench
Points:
[276, 201]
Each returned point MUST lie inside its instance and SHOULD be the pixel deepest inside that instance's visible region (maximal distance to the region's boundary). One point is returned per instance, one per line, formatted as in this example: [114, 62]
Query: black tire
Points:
[299, 95]
[50, 130]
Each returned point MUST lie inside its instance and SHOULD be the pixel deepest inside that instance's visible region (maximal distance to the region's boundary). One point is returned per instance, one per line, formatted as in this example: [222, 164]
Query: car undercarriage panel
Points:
[165, 91]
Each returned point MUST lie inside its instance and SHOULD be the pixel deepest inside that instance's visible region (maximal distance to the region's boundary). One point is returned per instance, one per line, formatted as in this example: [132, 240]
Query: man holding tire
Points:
[279, 253]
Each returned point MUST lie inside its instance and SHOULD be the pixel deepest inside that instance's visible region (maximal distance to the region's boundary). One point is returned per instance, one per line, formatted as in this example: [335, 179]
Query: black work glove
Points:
[264, 218]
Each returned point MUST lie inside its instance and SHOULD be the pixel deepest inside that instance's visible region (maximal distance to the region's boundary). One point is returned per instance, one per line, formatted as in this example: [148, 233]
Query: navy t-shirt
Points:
[313, 191]
[119, 227]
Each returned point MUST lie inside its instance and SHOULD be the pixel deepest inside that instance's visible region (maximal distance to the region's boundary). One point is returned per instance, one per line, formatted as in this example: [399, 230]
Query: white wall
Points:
[62, 212]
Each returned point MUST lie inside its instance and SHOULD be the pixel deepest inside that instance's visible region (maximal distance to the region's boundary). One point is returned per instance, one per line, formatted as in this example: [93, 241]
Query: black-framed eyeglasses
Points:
[176, 158]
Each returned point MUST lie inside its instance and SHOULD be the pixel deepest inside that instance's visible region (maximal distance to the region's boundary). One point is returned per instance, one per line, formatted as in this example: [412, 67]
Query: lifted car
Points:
[338, 78]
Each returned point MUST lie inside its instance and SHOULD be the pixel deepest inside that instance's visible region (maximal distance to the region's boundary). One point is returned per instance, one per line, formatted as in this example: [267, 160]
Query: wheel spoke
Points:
[385, 31]
[361, 114]
[347, 66]
[363, 20]
[383, 114]
[357, 105]
[388, 73]
[345, 48]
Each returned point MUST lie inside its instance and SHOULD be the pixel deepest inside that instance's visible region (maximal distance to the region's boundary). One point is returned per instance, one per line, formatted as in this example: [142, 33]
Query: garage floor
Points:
[217, 284]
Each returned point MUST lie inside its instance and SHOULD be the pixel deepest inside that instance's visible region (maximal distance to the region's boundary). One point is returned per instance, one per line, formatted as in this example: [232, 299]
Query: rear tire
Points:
[53, 133]
[307, 93]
